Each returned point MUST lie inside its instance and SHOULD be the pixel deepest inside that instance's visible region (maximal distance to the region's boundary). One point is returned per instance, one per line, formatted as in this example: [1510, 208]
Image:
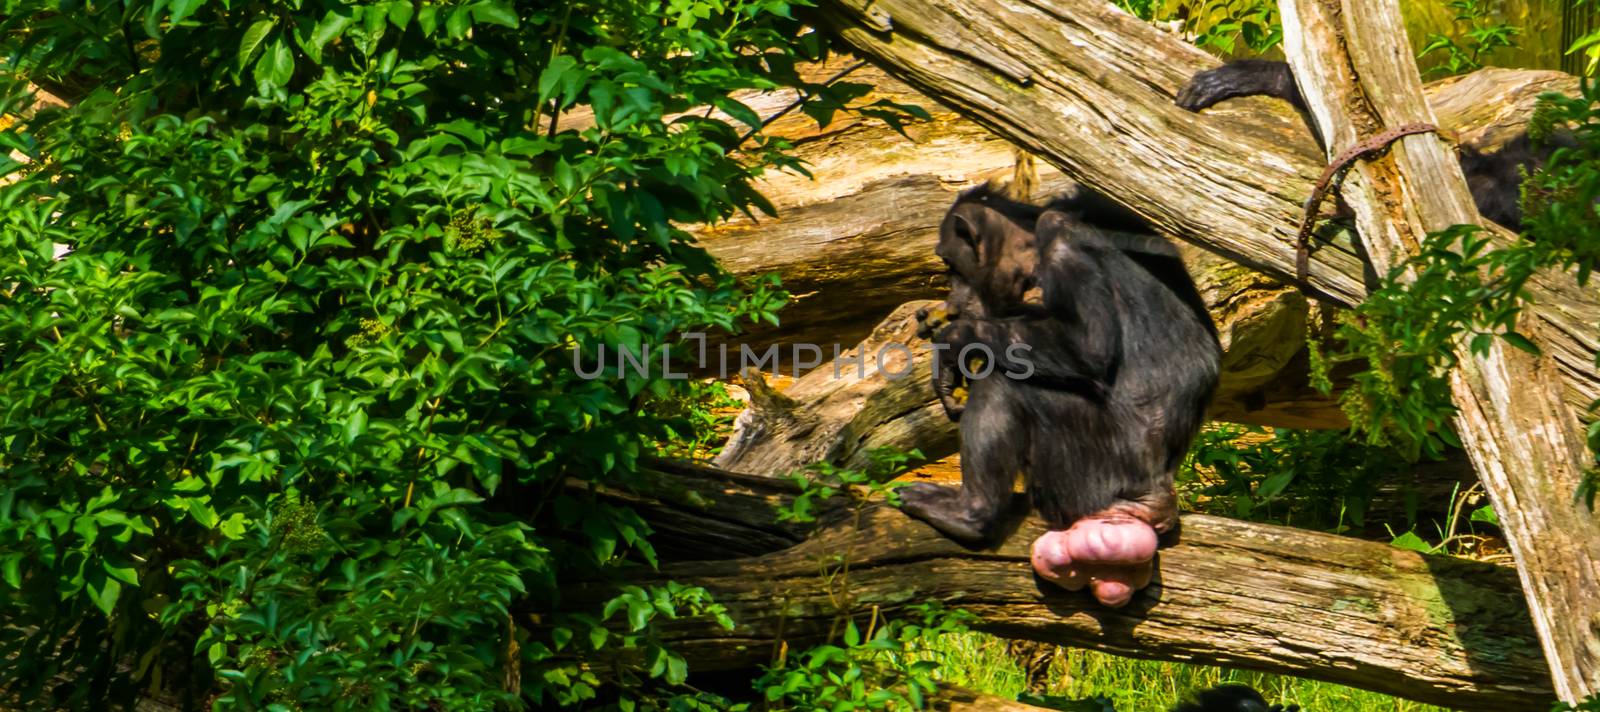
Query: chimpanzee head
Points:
[987, 243]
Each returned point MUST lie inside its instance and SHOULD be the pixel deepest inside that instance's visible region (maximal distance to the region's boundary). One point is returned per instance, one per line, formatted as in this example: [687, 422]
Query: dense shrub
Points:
[290, 423]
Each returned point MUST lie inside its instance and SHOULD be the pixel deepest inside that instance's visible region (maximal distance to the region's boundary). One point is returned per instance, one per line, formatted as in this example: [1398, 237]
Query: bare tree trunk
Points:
[1435, 629]
[1358, 77]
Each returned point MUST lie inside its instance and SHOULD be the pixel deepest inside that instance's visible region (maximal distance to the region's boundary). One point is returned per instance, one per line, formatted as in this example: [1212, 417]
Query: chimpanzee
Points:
[1493, 176]
[1117, 359]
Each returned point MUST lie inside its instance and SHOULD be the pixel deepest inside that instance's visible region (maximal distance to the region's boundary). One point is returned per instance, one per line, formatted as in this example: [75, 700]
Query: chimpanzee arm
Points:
[1244, 77]
[1074, 339]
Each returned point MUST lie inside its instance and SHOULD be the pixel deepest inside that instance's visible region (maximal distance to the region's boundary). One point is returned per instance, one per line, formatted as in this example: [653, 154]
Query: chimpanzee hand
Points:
[948, 383]
[931, 319]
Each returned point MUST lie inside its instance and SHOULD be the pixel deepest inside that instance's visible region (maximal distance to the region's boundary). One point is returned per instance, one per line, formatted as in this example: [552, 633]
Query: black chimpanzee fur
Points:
[1493, 176]
[1122, 360]
[1231, 698]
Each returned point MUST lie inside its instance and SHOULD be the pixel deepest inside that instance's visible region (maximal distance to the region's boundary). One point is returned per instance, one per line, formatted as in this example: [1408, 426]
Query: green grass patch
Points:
[985, 663]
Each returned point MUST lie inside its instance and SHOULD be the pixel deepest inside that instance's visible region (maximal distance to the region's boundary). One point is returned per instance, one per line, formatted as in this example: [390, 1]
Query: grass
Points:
[987, 664]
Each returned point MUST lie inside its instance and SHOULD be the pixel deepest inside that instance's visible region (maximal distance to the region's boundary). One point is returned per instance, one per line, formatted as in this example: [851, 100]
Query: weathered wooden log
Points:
[1089, 88]
[1358, 79]
[1434, 629]
[839, 412]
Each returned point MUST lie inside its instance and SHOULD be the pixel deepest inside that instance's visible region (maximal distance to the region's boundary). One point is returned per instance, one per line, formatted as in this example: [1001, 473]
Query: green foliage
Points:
[1314, 478]
[1226, 27]
[1405, 332]
[1587, 704]
[1085, 680]
[823, 481]
[1222, 26]
[1452, 538]
[1563, 218]
[1480, 35]
[875, 670]
[291, 423]
[1589, 46]
[698, 418]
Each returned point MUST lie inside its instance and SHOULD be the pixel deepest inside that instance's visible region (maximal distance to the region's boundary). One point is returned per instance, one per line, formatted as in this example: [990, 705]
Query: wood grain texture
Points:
[1434, 629]
[1358, 78]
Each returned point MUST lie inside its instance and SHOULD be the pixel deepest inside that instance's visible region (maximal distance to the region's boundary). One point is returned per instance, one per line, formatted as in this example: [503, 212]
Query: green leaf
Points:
[11, 568]
[276, 66]
[253, 38]
[202, 512]
[1486, 515]
[639, 614]
[182, 9]
[1520, 341]
[552, 75]
[330, 28]
[400, 14]
[459, 21]
[1410, 540]
[495, 13]
[234, 526]
[355, 425]
[105, 593]
[124, 573]
[677, 669]
[1274, 485]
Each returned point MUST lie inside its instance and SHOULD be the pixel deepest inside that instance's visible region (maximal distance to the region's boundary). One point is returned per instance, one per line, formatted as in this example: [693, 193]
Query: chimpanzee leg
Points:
[1245, 77]
[992, 450]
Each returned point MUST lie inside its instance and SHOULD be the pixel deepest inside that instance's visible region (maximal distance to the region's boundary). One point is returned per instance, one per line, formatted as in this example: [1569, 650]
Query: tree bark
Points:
[1434, 629]
[1090, 89]
[1358, 77]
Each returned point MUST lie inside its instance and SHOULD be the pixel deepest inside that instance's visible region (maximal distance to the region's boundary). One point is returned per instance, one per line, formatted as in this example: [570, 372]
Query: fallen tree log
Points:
[1434, 629]
[1527, 448]
[1090, 89]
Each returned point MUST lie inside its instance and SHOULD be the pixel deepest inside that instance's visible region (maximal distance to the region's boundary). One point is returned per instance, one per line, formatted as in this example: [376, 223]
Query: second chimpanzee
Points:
[1493, 176]
[1120, 360]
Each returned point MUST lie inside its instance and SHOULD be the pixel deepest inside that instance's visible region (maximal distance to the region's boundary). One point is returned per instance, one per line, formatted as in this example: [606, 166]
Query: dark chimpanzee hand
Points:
[931, 319]
[948, 383]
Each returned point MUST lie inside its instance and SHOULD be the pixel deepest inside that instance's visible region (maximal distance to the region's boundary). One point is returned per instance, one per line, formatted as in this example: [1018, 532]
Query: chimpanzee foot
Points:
[942, 508]
[1111, 552]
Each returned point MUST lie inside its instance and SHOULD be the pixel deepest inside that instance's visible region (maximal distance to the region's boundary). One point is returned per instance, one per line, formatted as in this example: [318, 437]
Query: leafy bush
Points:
[1316, 478]
[1480, 35]
[290, 424]
[884, 668]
